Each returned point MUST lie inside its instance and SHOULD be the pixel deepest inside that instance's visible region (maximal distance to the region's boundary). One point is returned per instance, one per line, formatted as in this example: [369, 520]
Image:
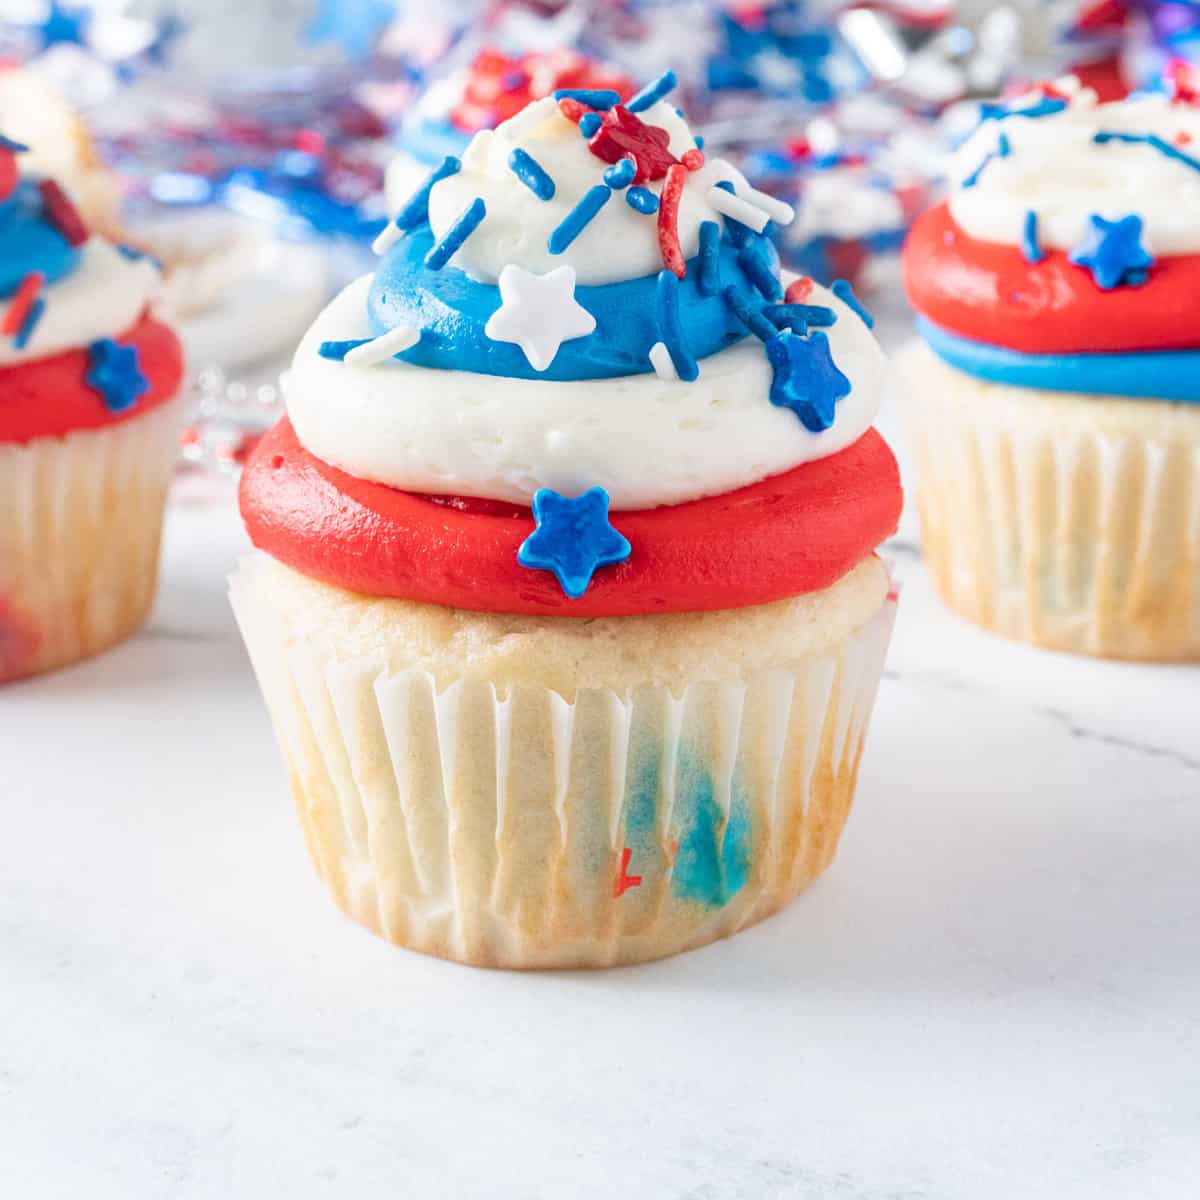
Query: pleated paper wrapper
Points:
[517, 828]
[80, 524]
[1071, 522]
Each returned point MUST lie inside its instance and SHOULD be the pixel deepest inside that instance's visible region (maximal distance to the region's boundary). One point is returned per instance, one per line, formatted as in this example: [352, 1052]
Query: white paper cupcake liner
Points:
[80, 522]
[517, 829]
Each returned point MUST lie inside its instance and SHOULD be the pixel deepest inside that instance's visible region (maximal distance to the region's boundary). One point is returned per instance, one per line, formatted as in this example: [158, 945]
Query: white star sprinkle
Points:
[538, 313]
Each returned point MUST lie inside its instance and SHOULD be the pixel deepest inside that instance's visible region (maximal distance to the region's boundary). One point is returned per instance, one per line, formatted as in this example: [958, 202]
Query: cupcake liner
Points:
[1068, 521]
[518, 828]
[79, 539]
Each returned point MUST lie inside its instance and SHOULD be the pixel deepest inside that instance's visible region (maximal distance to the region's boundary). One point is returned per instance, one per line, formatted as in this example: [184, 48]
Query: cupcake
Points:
[1053, 397]
[492, 88]
[88, 428]
[566, 604]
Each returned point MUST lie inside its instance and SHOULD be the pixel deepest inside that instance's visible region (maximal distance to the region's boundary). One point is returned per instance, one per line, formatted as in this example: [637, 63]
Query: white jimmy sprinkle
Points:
[660, 360]
[741, 210]
[395, 341]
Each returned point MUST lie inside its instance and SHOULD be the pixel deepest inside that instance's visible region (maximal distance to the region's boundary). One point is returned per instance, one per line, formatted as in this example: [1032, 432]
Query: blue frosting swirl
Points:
[30, 242]
[451, 309]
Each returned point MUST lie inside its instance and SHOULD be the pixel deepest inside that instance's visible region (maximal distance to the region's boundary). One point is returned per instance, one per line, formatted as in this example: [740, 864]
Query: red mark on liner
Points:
[62, 213]
[668, 220]
[22, 302]
[624, 882]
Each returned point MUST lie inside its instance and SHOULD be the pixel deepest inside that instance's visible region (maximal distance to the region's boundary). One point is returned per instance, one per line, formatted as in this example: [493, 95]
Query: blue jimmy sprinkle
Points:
[589, 123]
[1030, 246]
[32, 317]
[338, 350]
[845, 293]
[670, 327]
[642, 200]
[601, 98]
[652, 92]
[620, 174]
[1148, 139]
[1047, 106]
[416, 211]
[709, 277]
[1003, 149]
[790, 316]
[574, 223]
[531, 173]
[756, 258]
[468, 221]
[751, 318]
[699, 141]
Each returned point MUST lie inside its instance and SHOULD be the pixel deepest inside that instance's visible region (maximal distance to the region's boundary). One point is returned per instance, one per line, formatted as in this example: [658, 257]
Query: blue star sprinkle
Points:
[806, 378]
[1113, 252]
[355, 25]
[113, 371]
[573, 538]
[65, 26]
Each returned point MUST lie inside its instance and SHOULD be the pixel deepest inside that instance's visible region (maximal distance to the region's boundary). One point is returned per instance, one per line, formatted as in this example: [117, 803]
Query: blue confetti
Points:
[1113, 252]
[114, 372]
[416, 211]
[531, 173]
[806, 379]
[758, 259]
[601, 98]
[652, 92]
[573, 538]
[751, 318]
[32, 317]
[466, 224]
[670, 327]
[845, 293]
[1030, 247]
[709, 277]
[574, 223]
[589, 123]
[1149, 139]
[642, 200]
[620, 174]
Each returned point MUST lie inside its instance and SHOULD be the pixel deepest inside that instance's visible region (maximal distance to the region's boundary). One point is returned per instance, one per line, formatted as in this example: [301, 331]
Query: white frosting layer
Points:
[619, 243]
[101, 298]
[648, 441]
[1056, 169]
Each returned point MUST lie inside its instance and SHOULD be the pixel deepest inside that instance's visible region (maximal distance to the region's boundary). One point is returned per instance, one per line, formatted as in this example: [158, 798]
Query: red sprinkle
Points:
[622, 134]
[668, 220]
[62, 213]
[571, 109]
[799, 290]
[623, 881]
[693, 159]
[22, 302]
[1183, 138]
[1052, 93]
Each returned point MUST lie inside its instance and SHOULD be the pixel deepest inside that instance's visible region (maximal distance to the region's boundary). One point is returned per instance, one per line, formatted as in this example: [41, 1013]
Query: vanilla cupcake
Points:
[1053, 400]
[566, 606]
[88, 429]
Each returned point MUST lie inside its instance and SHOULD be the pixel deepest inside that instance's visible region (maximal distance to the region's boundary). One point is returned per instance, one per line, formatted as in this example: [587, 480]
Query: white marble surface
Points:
[994, 994]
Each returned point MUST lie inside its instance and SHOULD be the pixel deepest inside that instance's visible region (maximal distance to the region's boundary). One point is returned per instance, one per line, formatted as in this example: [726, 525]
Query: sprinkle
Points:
[337, 351]
[601, 98]
[11, 146]
[589, 123]
[573, 538]
[22, 301]
[388, 236]
[642, 200]
[531, 173]
[709, 280]
[62, 213]
[416, 211]
[620, 174]
[845, 293]
[624, 135]
[376, 350]
[652, 92]
[806, 314]
[1030, 247]
[758, 259]
[699, 139]
[571, 109]
[671, 328]
[32, 317]
[538, 313]
[114, 372]
[466, 224]
[692, 159]
[1148, 139]
[754, 321]
[660, 360]
[806, 379]
[1047, 106]
[776, 209]
[799, 290]
[574, 223]
[668, 220]
[729, 205]
[1003, 149]
[1113, 252]
[734, 230]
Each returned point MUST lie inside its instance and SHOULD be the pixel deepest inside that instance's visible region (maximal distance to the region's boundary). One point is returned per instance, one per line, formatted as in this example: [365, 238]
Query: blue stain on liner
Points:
[652, 92]
[576, 221]
[620, 174]
[1031, 249]
[531, 173]
[416, 211]
[32, 317]
[589, 123]
[468, 221]
[750, 317]
[759, 260]
[670, 327]
[1149, 139]
[710, 258]
[642, 200]
[845, 293]
[601, 98]
[1143, 374]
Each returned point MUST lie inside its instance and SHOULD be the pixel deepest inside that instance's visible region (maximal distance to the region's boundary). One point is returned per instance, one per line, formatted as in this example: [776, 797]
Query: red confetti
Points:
[22, 302]
[62, 213]
[668, 220]
[624, 881]
[693, 159]
[799, 290]
[624, 135]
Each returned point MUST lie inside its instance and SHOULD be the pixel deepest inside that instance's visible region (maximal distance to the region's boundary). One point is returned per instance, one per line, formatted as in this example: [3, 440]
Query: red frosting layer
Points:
[989, 293]
[794, 533]
[48, 397]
